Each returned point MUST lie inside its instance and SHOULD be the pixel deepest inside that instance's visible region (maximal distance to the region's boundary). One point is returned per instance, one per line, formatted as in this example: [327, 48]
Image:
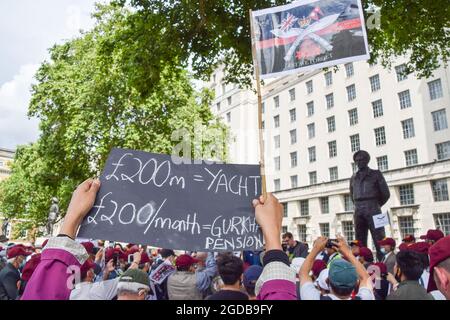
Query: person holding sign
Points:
[369, 193]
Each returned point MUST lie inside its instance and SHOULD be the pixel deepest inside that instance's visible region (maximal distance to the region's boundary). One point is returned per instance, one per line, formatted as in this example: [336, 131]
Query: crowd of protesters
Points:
[333, 269]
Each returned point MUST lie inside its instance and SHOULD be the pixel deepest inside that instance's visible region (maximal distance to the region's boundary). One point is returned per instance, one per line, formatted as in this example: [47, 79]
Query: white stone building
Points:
[315, 122]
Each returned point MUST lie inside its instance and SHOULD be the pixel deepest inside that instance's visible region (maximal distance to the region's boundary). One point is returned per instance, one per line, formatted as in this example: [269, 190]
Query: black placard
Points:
[153, 199]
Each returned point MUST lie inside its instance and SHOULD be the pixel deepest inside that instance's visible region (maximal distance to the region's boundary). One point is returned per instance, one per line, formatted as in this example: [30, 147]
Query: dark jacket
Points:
[300, 250]
[369, 184]
[410, 290]
[9, 276]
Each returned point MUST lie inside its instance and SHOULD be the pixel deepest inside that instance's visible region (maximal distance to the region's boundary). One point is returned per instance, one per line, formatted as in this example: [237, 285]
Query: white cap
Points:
[321, 281]
[297, 263]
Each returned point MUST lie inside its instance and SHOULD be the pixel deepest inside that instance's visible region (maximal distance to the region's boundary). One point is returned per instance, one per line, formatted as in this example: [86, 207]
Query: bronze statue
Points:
[369, 192]
[52, 216]
[5, 225]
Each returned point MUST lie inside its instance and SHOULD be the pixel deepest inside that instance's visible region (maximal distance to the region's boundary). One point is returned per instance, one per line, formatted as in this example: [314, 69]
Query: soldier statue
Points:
[52, 216]
[5, 225]
[369, 192]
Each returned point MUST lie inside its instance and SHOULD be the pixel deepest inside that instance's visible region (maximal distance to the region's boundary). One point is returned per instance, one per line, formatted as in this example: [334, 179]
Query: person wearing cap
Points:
[188, 283]
[28, 270]
[379, 274]
[387, 248]
[133, 284]
[439, 255]
[355, 245]
[422, 249]
[322, 282]
[87, 289]
[343, 275]
[50, 278]
[251, 276]
[10, 275]
[409, 239]
[365, 256]
[432, 236]
[407, 272]
[369, 192]
[230, 270]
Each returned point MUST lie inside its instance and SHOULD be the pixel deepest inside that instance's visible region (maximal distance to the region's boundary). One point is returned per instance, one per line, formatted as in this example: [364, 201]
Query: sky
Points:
[28, 28]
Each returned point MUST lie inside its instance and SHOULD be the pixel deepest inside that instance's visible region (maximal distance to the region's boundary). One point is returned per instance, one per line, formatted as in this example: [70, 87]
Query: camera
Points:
[330, 243]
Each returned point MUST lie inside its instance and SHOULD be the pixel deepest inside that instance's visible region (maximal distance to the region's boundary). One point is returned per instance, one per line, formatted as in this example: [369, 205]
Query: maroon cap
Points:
[409, 238]
[420, 247]
[434, 235]
[356, 243]
[30, 266]
[89, 246]
[366, 253]
[317, 267]
[387, 242]
[88, 265]
[438, 252]
[144, 258]
[17, 250]
[381, 266]
[404, 246]
[185, 261]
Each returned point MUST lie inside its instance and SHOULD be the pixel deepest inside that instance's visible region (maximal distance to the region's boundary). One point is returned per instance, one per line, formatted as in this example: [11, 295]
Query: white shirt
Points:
[309, 292]
[104, 290]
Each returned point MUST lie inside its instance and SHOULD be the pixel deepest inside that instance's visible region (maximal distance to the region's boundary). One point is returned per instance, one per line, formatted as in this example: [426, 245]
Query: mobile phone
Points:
[116, 259]
[130, 258]
[330, 243]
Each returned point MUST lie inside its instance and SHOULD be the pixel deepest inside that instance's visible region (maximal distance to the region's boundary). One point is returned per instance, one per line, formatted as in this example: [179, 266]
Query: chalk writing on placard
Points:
[146, 198]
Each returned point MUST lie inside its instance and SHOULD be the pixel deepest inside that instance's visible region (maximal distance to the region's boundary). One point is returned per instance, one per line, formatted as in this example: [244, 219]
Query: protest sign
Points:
[307, 35]
[154, 199]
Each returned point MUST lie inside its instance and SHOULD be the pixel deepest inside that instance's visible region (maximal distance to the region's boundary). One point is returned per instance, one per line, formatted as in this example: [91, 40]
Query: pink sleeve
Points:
[278, 290]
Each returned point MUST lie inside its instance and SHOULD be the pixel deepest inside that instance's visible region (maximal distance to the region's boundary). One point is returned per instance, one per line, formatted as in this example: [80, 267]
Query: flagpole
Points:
[258, 90]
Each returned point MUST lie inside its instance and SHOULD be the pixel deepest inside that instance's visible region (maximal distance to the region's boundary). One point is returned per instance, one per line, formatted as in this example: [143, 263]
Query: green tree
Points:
[89, 99]
[204, 33]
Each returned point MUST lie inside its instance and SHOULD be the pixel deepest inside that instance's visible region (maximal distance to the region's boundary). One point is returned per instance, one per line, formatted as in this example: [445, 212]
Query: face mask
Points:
[383, 250]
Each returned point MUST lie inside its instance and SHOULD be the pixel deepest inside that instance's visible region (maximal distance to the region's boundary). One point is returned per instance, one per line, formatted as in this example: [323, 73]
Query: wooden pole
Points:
[258, 90]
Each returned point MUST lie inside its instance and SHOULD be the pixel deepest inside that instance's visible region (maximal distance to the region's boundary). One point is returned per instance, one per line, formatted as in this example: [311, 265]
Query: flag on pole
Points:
[307, 35]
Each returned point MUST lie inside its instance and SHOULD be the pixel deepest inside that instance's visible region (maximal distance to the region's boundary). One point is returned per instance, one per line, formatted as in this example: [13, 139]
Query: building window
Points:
[405, 99]
[411, 157]
[276, 101]
[311, 130]
[263, 124]
[442, 222]
[312, 154]
[294, 181]
[375, 83]
[277, 163]
[354, 167]
[276, 141]
[293, 134]
[328, 78]
[284, 229]
[304, 208]
[331, 124]
[293, 159]
[276, 121]
[310, 107]
[349, 71]
[443, 150]
[401, 72]
[354, 142]
[377, 107]
[324, 229]
[218, 106]
[382, 163]
[332, 149]
[229, 101]
[228, 117]
[439, 120]
[309, 87]
[408, 128]
[276, 184]
[263, 107]
[435, 89]
[292, 115]
[324, 205]
[330, 100]
[224, 88]
[313, 177]
[406, 192]
[333, 173]
[406, 226]
[351, 93]
[348, 230]
[292, 94]
[440, 190]
[302, 232]
[348, 203]
[353, 116]
[285, 210]
[380, 136]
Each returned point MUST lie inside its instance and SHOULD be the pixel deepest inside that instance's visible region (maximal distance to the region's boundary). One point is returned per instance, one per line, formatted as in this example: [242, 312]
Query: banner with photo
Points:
[307, 35]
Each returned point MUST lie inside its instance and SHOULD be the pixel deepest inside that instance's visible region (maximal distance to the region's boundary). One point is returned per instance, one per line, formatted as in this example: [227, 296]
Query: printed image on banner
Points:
[307, 35]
